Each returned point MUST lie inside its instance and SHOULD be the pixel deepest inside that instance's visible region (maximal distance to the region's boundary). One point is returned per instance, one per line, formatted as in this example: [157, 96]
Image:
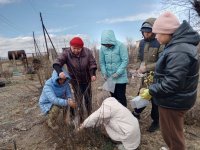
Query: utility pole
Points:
[34, 43]
[65, 42]
[50, 41]
[43, 28]
[36, 46]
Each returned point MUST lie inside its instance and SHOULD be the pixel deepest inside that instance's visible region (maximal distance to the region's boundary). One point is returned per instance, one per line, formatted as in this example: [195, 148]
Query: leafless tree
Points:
[196, 6]
[131, 50]
[188, 9]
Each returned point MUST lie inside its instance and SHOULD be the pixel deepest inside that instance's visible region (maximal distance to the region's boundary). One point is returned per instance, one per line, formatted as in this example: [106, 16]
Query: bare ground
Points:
[23, 127]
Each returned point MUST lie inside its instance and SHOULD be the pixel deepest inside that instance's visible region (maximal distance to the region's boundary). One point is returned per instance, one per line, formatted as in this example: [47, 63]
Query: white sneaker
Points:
[163, 148]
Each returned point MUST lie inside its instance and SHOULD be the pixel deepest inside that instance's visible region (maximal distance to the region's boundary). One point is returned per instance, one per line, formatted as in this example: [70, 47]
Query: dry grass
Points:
[41, 137]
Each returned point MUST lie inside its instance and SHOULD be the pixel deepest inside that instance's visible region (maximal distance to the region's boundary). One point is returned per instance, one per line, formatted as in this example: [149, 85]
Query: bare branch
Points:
[188, 9]
[196, 6]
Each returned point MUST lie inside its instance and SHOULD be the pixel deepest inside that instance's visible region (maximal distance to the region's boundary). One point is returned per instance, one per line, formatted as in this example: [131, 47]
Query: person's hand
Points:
[115, 75]
[69, 99]
[142, 69]
[71, 103]
[93, 78]
[62, 75]
[105, 77]
[141, 90]
[80, 128]
[133, 73]
[145, 94]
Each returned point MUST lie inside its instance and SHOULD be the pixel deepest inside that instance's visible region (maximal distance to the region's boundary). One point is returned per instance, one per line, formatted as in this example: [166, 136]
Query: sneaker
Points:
[154, 126]
[163, 148]
[136, 115]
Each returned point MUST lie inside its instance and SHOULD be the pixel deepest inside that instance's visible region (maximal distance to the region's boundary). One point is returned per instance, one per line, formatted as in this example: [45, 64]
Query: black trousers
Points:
[82, 91]
[154, 111]
[120, 93]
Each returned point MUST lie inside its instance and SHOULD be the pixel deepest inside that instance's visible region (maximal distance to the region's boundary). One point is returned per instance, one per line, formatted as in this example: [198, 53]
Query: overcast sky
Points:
[67, 18]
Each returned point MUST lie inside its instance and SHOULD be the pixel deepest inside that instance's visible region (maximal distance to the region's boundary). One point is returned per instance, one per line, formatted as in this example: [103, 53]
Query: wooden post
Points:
[45, 38]
[14, 61]
[33, 55]
[1, 68]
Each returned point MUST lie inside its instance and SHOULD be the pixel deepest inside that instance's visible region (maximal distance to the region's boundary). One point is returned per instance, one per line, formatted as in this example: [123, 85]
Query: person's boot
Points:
[52, 118]
[121, 147]
[154, 126]
[53, 126]
[137, 115]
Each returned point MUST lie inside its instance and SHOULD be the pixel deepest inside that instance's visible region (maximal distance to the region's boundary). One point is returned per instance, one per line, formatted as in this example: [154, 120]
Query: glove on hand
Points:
[142, 90]
[145, 94]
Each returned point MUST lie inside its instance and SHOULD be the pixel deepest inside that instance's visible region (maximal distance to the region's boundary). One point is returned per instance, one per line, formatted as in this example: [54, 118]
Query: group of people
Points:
[168, 48]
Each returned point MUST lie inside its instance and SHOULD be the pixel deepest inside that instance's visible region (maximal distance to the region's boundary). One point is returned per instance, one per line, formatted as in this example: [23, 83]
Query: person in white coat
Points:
[118, 121]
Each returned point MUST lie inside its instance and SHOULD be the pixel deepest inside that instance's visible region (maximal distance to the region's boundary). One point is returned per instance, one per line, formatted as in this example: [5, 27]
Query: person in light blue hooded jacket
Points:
[55, 94]
[113, 60]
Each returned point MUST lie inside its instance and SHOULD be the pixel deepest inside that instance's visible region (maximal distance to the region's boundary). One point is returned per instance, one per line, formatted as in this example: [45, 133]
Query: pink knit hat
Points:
[166, 23]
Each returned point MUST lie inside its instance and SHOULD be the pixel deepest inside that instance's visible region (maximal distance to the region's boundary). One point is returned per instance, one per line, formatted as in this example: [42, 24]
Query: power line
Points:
[9, 23]
[33, 7]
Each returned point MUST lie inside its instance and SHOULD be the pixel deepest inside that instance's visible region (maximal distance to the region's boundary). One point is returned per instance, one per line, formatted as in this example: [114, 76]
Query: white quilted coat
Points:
[119, 123]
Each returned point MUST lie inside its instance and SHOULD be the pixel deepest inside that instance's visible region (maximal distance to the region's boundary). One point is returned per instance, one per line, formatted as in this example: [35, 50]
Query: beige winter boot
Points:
[52, 117]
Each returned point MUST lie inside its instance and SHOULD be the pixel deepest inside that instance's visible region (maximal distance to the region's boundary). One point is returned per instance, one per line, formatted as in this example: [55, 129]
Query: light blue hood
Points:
[55, 77]
[54, 94]
[108, 37]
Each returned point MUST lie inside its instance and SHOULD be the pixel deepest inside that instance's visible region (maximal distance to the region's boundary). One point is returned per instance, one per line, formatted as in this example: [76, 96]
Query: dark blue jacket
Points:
[177, 71]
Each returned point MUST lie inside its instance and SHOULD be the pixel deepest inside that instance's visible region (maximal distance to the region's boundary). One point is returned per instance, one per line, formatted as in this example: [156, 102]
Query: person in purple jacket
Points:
[81, 66]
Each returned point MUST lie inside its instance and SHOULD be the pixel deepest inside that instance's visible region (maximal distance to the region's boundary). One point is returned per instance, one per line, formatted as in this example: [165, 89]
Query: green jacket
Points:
[149, 49]
[149, 52]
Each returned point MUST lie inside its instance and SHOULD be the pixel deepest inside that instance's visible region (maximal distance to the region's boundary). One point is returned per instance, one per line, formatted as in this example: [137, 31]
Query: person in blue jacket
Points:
[55, 94]
[113, 60]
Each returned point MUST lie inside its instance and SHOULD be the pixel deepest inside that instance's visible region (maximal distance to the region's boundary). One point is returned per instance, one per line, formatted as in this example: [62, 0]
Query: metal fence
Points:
[3, 58]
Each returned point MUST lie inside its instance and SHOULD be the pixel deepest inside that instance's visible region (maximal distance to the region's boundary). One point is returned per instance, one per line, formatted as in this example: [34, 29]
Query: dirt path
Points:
[22, 124]
[20, 120]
